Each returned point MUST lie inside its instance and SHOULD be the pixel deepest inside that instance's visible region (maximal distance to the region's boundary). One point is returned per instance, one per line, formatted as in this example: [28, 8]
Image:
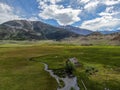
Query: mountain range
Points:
[109, 32]
[77, 30]
[37, 30]
[29, 30]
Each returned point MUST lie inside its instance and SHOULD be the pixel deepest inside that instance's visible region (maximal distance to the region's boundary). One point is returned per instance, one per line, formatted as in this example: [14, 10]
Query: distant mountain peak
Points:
[77, 30]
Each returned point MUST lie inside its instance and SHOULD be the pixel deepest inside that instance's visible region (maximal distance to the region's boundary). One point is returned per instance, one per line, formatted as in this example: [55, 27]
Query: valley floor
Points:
[21, 67]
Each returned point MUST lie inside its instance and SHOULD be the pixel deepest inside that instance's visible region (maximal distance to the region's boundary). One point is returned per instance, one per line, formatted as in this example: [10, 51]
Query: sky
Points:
[89, 14]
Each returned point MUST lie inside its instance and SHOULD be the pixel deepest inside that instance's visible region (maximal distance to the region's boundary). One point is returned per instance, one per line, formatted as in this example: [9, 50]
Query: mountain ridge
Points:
[37, 30]
[77, 30]
[28, 30]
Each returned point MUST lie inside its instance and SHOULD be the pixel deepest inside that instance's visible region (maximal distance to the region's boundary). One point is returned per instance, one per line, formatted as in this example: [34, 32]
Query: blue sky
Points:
[88, 14]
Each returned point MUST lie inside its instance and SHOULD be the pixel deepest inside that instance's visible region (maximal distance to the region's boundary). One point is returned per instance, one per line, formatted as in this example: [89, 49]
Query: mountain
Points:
[77, 30]
[95, 38]
[29, 30]
[95, 34]
[117, 37]
[109, 32]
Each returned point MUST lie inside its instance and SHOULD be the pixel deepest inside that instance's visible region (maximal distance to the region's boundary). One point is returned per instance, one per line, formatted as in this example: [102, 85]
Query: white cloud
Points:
[54, 1]
[33, 19]
[84, 1]
[109, 19]
[49, 1]
[101, 23]
[64, 16]
[111, 2]
[91, 6]
[109, 14]
[118, 28]
[7, 13]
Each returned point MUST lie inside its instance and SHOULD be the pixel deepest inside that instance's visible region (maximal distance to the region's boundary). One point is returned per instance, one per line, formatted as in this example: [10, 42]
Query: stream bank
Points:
[69, 82]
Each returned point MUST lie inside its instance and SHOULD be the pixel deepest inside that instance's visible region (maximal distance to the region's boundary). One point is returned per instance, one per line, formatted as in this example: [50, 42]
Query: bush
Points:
[69, 68]
[91, 70]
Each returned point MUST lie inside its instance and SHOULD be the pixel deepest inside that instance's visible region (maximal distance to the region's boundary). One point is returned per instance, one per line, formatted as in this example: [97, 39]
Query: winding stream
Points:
[69, 82]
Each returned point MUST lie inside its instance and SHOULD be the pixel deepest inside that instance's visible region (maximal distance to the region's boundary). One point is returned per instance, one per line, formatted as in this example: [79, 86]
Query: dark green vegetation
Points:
[91, 70]
[69, 68]
[72, 88]
[60, 72]
[61, 83]
[21, 68]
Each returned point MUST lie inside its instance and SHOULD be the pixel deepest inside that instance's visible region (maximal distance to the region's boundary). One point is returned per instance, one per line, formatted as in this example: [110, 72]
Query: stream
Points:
[69, 82]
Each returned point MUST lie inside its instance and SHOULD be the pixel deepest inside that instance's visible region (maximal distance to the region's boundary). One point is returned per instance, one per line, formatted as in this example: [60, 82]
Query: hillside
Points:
[95, 38]
[77, 30]
[32, 30]
[109, 32]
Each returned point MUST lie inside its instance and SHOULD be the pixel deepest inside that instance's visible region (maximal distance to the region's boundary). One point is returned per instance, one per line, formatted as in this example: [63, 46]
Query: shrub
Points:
[69, 67]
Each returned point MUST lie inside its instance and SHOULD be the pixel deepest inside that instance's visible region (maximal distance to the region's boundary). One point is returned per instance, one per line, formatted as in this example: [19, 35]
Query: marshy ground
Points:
[19, 72]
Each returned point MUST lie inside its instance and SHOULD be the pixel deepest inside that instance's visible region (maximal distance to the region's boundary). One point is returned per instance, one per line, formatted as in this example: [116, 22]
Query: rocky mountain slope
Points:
[77, 30]
[29, 30]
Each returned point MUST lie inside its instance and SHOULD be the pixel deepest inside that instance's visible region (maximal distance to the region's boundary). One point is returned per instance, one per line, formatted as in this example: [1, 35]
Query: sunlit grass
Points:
[18, 72]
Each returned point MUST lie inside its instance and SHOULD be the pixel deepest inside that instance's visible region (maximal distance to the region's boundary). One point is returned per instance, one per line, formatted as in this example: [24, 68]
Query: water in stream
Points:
[69, 82]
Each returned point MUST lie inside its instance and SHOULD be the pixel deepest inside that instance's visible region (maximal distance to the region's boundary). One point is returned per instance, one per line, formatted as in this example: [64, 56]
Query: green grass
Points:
[19, 72]
[105, 59]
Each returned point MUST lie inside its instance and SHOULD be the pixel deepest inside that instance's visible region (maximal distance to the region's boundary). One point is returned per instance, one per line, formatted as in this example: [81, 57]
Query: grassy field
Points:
[21, 67]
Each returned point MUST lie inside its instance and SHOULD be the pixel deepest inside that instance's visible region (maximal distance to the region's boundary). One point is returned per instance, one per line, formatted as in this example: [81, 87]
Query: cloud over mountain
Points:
[64, 16]
[7, 13]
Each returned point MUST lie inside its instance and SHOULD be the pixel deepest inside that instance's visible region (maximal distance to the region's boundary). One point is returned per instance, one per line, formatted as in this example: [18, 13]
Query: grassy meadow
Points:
[21, 67]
